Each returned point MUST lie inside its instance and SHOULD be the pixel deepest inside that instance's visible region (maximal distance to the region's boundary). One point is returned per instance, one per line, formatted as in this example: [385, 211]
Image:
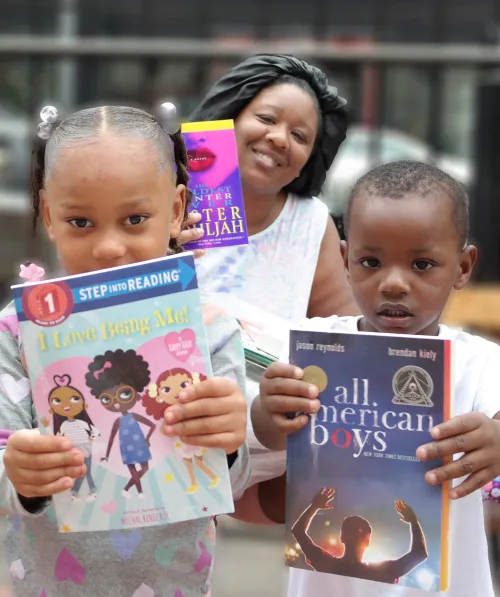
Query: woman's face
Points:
[275, 135]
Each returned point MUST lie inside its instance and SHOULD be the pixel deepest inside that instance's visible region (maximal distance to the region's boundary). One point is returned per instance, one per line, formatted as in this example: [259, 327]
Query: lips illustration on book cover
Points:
[214, 179]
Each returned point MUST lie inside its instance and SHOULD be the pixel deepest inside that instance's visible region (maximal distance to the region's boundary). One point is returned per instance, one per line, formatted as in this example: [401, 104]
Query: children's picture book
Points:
[107, 353]
[357, 501]
[214, 179]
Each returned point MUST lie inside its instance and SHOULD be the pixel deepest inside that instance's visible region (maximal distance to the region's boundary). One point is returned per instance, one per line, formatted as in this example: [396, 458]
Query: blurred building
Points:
[409, 68]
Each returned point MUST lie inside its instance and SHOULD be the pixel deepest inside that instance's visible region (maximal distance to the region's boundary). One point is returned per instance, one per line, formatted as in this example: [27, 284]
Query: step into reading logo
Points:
[49, 304]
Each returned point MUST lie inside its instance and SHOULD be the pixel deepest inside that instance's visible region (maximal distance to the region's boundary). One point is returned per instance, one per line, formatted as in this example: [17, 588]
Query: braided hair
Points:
[90, 124]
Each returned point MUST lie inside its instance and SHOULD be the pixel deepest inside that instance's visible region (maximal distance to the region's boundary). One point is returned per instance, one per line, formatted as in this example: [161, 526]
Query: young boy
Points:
[406, 250]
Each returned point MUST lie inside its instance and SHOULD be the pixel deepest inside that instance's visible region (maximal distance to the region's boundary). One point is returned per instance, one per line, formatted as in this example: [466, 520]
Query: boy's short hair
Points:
[397, 179]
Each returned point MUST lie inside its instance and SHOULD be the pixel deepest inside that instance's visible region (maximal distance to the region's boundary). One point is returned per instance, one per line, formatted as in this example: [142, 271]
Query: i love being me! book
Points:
[357, 501]
[107, 353]
[214, 179]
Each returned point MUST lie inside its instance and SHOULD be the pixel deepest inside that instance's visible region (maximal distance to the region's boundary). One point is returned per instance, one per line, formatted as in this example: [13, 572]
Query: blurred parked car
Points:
[15, 140]
[365, 148]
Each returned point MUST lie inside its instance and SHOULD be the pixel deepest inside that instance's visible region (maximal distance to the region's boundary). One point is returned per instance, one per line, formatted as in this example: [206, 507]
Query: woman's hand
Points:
[189, 234]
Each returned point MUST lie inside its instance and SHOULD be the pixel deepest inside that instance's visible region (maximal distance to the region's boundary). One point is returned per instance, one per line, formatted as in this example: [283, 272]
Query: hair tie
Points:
[106, 365]
[168, 118]
[48, 115]
[31, 272]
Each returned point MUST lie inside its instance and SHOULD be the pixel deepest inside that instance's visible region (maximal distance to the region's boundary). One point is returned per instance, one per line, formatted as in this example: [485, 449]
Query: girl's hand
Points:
[477, 438]
[211, 414]
[42, 465]
[190, 234]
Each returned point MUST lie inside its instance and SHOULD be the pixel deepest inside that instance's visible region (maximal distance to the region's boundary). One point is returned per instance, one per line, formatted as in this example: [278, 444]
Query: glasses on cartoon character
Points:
[123, 395]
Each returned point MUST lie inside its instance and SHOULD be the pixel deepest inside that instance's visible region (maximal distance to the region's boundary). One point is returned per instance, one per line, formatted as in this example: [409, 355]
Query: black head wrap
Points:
[231, 94]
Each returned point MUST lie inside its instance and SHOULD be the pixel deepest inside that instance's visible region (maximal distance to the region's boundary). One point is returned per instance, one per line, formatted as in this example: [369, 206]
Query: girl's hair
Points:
[156, 409]
[130, 123]
[59, 419]
[118, 367]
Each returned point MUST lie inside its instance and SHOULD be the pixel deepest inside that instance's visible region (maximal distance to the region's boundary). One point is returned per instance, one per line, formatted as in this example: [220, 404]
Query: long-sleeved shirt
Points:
[173, 560]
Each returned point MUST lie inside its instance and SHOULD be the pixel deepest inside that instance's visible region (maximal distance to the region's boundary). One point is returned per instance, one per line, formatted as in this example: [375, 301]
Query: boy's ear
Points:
[344, 251]
[178, 207]
[45, 213]
[468, 260]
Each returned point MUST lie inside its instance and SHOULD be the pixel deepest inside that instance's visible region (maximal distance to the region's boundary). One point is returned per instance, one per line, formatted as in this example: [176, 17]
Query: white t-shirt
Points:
[78, 431]
[476, 366]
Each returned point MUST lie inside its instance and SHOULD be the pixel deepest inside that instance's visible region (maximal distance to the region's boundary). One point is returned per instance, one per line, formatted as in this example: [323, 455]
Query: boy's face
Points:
[107, 203]
[403, 260]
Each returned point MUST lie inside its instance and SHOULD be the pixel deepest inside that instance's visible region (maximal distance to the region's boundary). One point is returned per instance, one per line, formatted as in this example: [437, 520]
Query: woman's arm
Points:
[331, 293]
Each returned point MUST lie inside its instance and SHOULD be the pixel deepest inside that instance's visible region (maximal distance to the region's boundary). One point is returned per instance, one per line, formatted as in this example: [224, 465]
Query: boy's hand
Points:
[478, 438]
[283, 392]
[42, 465]
[212, 414]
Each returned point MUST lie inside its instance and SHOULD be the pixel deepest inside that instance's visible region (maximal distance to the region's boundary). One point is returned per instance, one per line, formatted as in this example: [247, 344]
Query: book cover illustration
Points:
[214, 179]
[357, 501]
[107, 353]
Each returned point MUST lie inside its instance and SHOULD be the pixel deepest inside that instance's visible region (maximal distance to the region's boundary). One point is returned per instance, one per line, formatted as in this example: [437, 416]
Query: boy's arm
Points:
[265, 429]
[263, 503]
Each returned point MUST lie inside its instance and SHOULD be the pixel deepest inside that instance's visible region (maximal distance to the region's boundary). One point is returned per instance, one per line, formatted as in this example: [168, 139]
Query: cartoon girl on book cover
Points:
[159, 397]
[116, 379]
[69, 412]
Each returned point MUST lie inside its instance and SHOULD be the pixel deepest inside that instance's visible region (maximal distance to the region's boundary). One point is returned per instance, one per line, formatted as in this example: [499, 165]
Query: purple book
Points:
[214, 179]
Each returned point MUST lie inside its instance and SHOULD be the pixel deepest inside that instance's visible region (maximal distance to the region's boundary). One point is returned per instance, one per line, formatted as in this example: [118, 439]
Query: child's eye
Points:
[74, 399]
[165, 390]
[105, 400]
[80, 223]
[126, 394]
[135, 220]
[185, 384]
[370, 262]
[56, 401]
[423, 265]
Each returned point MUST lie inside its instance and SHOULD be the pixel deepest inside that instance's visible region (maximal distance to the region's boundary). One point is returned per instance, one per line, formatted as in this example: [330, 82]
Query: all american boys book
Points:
[357, 501]
[106, 353]
[214, 179]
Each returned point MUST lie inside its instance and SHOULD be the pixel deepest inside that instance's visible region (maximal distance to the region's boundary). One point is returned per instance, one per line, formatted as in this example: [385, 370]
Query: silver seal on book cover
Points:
[412, 386]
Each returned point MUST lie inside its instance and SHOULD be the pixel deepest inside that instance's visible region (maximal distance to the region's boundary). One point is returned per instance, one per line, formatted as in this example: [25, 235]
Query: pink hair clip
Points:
[32, 272]
[106, 365]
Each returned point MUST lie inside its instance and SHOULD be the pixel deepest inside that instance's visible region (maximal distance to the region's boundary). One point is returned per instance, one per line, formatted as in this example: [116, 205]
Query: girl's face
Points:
[275, 134]
[170, 389]
[66, 401]
[107, 203]
[119, 399]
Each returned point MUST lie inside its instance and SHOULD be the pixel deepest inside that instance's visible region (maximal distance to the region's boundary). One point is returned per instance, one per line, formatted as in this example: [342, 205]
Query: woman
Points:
[289, 124]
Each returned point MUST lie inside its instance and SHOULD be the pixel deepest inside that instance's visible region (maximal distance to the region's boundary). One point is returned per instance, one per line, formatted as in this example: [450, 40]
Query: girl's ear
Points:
[51, 412]
[178, 207]
[46, 216]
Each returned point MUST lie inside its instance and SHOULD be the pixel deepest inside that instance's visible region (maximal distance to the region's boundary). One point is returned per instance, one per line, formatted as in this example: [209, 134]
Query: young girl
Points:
[165, 393]
[110, 187]
[71, 419]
